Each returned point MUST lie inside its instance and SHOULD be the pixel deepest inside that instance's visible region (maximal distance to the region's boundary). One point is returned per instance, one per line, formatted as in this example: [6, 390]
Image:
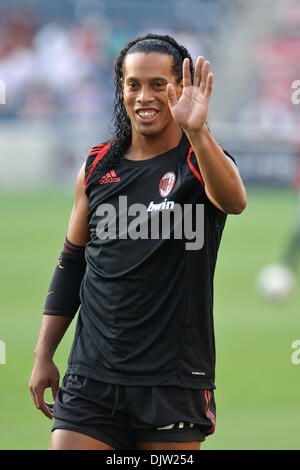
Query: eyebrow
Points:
[160, 79]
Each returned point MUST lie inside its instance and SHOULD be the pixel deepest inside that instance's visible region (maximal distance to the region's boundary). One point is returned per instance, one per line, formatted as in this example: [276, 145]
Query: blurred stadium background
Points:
[56, 60]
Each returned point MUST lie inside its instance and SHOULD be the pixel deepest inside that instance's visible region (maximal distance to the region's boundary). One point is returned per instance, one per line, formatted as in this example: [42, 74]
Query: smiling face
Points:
[144, 92]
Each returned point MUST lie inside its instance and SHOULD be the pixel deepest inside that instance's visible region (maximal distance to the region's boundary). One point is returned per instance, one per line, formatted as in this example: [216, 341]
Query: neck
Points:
[147, 146]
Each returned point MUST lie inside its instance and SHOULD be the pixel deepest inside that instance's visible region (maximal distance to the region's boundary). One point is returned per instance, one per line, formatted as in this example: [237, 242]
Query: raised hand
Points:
[190, 111]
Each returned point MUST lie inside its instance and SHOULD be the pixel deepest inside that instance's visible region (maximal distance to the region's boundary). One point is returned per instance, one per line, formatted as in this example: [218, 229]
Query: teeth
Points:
[147, 113]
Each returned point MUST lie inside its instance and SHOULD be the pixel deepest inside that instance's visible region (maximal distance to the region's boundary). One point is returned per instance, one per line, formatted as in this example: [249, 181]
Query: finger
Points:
[171, 94]
[204, 75]
[40, 402]
[209, 84]
[186, 73]
[32, 395]
[197, 73]
[50, 407]
[46, 411]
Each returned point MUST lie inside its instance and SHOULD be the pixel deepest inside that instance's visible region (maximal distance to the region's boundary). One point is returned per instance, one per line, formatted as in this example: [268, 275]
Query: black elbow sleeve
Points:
[63, 295]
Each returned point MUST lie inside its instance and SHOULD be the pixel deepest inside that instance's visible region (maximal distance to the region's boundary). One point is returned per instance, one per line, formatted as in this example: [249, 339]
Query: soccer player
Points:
[141, 369]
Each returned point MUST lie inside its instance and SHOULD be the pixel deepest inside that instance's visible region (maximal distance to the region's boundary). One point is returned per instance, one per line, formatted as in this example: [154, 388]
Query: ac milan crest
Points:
[166, 183]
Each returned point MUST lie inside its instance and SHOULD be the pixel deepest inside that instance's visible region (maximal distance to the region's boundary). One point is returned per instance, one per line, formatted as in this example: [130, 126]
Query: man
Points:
[141, 368]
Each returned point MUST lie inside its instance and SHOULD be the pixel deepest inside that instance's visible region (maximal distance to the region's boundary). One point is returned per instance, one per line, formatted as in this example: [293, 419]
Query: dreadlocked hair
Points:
[122, 132]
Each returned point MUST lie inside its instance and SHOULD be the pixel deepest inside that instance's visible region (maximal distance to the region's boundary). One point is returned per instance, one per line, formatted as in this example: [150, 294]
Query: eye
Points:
[158, 85]
[132, 85]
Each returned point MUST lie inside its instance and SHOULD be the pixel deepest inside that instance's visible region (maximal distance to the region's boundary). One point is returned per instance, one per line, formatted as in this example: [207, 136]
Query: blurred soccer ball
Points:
[275, 282]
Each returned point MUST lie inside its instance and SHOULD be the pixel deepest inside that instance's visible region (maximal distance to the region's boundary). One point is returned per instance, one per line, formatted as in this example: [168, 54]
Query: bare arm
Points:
[78, 229]
[223, 185]
[45, 373]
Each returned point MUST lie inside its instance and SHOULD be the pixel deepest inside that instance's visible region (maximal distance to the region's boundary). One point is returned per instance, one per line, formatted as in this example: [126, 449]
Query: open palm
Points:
[190, 111]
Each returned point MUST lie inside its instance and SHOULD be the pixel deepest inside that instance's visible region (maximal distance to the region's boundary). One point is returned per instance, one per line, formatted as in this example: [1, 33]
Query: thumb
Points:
[171, 94]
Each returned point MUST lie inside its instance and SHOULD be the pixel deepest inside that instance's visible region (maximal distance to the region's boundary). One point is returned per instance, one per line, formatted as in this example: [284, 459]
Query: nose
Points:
[145, 95]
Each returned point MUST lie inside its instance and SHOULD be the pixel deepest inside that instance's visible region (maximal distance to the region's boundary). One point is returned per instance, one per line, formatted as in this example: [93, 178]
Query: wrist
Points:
[43, 354]
[197, 134]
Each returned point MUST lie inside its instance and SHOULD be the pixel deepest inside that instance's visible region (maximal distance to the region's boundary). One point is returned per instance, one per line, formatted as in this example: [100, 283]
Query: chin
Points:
[147, 133]
[149, 130]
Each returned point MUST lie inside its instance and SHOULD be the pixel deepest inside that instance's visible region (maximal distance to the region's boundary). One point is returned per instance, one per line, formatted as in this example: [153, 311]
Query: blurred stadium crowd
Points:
[277, 56]
[57, 59]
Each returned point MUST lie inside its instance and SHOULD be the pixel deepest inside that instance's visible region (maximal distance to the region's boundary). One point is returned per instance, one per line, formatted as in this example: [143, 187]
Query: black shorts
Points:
[122, 415]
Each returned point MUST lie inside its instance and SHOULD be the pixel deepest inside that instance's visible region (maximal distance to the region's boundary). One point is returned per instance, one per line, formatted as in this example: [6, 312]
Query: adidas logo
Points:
[110, 177]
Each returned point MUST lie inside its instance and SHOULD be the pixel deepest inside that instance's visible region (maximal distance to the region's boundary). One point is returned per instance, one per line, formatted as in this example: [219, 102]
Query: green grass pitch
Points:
[257, 394]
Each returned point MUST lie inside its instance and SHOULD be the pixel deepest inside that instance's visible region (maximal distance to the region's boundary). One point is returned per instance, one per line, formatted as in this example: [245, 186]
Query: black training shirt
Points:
[146, 315]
